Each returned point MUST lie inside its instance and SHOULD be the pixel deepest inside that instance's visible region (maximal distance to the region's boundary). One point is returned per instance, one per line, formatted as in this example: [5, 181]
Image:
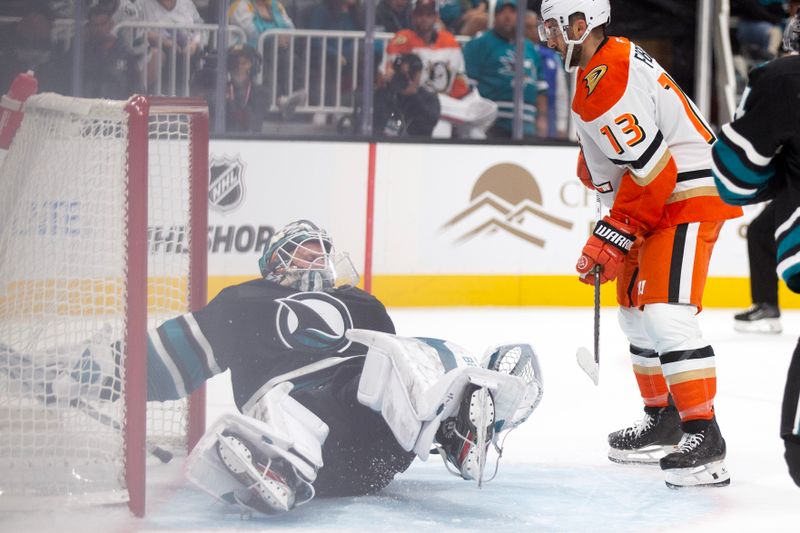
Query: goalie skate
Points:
[270, 482]
[464, 439]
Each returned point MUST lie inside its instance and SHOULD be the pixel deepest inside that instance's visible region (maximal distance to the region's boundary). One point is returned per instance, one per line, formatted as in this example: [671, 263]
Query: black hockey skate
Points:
[699, 460]
[464, 439]
[760, 318]
[650, 439]
[270, 485]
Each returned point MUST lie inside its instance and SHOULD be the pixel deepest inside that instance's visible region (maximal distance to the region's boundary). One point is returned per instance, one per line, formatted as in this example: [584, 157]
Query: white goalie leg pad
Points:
[406, 380]
[275, 459]
[291, 426]
[397, 372]
[673, 327]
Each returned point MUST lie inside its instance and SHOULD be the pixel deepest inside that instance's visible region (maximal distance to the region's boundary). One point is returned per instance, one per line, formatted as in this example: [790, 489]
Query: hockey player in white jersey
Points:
[647, 151]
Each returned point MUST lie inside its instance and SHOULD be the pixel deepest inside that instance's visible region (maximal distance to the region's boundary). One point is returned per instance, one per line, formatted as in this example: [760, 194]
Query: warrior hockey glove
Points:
[607, 247]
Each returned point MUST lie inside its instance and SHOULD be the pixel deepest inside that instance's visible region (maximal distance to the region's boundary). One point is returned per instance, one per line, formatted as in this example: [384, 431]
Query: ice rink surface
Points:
[554, 475]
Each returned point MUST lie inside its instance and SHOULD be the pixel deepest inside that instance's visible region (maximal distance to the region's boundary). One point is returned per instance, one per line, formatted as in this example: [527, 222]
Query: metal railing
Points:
[166, 32]
[326, 64]
[323, 63]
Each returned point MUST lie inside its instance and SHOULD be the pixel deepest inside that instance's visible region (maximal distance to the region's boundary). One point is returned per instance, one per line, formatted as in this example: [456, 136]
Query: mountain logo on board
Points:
[505, 199]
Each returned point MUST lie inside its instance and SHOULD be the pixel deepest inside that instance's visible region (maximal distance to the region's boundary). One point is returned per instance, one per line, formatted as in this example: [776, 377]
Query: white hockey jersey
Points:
[443, 62]
[644, 143]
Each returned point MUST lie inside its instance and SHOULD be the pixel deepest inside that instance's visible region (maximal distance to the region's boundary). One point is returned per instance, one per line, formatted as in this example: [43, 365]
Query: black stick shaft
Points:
[597, 316]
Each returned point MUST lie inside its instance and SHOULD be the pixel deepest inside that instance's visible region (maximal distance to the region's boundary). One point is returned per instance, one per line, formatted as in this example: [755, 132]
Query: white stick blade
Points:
[588, 364]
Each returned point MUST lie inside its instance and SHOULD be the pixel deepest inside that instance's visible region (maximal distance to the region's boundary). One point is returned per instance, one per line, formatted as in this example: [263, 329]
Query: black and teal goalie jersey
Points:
[258, 330]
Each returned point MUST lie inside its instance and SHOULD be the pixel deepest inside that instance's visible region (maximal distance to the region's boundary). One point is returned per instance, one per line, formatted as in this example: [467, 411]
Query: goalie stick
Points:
[591, 363]
[36, 383]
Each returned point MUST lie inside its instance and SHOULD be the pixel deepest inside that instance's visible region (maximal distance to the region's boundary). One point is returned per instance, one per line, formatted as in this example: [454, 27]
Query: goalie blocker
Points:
[413, 395]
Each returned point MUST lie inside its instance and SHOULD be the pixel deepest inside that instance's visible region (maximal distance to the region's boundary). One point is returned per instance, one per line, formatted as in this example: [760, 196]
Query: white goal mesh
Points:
[64, 294]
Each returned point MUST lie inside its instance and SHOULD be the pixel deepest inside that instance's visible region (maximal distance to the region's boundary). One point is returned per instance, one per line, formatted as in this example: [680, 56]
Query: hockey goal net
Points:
[103, 234]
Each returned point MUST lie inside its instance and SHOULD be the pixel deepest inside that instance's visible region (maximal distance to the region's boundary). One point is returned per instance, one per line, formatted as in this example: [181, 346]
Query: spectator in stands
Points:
[462, 16]
[760, 29]
[63, 9]
[208, 9]
[393, 15]
[135, 39]
[556, 78]
[110, 69]
[186, 43]
[462, 108]
[342, 15]
[246, 103]
[29, 45]
[336, 15]
[257, 16]
[490, 61]
[403, 107]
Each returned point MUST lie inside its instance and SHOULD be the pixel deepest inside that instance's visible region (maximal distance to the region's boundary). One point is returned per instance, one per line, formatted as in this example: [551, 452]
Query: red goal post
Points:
[103, 234]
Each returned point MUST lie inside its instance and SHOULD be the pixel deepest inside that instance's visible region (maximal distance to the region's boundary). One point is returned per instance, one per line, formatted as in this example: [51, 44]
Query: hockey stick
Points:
[35, 382]
[591, 363]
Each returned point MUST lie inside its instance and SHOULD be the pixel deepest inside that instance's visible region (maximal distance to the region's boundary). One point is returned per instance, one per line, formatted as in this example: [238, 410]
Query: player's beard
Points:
[577, 53]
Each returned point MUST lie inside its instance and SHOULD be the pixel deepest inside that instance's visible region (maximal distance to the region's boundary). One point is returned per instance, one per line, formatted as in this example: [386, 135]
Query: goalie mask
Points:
[302, 256]
[595, 12]
[791, 35]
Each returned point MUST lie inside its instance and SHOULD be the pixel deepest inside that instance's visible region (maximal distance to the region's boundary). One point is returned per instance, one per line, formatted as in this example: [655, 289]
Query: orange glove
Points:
[583, 173]
[607, 247]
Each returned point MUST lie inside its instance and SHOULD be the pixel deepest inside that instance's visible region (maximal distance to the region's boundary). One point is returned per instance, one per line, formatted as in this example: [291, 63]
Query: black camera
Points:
[405, 68]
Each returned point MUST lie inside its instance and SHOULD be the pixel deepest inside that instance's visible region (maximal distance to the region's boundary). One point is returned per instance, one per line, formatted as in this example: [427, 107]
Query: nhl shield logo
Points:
[226, 182]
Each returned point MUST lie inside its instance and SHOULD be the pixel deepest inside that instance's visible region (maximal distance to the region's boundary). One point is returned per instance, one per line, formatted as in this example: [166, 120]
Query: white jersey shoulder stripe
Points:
[163, 354]
[729, 185]
[208, 352]
[748, 148]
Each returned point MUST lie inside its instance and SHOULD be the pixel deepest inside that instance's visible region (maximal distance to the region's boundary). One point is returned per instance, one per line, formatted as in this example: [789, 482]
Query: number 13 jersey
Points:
[643, 142]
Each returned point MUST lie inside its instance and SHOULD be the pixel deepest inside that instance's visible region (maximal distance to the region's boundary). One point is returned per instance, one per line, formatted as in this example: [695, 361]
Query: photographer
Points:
[402, 107]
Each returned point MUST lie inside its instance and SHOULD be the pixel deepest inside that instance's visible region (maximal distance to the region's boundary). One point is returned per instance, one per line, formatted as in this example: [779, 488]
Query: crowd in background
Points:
[443, 68]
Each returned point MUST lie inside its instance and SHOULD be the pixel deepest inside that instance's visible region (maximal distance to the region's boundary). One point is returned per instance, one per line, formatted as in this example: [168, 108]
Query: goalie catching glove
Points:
[606, 248]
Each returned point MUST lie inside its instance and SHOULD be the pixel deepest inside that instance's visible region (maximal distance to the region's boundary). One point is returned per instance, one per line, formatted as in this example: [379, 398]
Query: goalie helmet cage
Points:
[103, 234]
